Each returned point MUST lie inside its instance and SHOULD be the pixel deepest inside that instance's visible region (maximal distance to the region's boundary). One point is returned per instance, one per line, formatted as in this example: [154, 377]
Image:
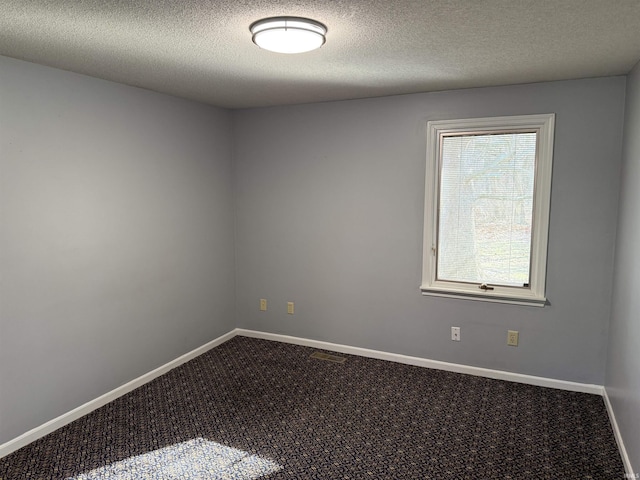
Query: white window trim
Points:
[535, 293]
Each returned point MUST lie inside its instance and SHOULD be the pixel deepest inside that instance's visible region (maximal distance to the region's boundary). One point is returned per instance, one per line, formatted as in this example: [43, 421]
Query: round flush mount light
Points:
[288, 34]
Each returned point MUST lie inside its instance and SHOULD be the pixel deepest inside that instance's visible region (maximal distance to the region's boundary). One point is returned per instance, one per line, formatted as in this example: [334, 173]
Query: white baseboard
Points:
[92, 405]
[616, 431]
[66, 418]
[424, 362]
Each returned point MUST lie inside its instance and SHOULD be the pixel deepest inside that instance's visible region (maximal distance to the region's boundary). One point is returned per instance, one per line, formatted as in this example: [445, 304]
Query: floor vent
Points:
[328, 357]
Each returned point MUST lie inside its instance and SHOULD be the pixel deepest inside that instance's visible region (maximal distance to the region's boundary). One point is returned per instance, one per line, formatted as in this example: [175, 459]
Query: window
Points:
[487, 201]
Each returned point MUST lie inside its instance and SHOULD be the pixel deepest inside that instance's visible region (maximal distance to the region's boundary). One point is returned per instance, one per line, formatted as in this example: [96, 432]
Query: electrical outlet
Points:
[290, 308]
[455, 334]
[512, 338]
[263, 304]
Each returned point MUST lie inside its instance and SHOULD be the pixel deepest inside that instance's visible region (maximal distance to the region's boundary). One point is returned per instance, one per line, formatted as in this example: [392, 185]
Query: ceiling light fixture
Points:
[288, 34]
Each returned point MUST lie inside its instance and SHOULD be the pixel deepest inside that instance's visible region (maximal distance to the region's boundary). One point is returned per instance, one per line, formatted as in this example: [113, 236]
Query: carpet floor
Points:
[256, 409]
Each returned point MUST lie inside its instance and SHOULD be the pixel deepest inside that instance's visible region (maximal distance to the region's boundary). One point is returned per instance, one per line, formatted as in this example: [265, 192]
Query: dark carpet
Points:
[252, 409]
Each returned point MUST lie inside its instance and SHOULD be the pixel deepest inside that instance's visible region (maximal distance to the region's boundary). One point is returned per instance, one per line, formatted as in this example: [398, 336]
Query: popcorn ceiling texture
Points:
[202, 49]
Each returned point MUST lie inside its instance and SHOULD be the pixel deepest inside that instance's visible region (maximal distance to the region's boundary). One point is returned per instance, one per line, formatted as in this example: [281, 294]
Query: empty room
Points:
[334, 240]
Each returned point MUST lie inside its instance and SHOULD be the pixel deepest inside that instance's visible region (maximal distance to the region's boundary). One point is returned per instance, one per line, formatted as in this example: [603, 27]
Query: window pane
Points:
[485, 210]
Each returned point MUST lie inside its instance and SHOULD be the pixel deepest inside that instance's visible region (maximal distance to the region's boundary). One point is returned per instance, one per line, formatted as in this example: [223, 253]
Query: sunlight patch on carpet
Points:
[197, 458]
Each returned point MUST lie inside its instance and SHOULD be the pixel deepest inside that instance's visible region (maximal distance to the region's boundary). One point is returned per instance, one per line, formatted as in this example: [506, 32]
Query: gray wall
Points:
[329, 202]
[623, 364]
[116, 237]
[117, 243]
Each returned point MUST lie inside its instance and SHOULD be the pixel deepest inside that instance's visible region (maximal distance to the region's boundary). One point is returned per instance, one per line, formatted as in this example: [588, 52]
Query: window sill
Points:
[527, 300]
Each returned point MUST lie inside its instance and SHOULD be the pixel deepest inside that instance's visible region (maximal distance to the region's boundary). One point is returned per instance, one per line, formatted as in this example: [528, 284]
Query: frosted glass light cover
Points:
[288, 34]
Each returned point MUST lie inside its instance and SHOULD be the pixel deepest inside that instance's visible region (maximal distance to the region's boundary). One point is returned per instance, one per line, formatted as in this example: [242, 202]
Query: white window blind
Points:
[485, 208]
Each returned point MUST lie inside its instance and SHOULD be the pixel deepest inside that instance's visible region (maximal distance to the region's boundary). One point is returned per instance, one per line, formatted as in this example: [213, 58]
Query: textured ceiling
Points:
[202, 49]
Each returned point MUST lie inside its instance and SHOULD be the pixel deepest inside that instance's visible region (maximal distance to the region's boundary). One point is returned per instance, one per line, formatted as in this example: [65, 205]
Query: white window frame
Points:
[534, 293]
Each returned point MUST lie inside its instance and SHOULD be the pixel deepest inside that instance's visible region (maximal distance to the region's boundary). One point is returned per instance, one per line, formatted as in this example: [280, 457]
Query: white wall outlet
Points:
[263, 304]
[512, 338]
[290, 308]
[455, 334]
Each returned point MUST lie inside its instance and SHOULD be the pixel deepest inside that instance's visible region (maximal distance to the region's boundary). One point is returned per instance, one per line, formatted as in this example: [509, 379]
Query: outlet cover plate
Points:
[455, 334]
